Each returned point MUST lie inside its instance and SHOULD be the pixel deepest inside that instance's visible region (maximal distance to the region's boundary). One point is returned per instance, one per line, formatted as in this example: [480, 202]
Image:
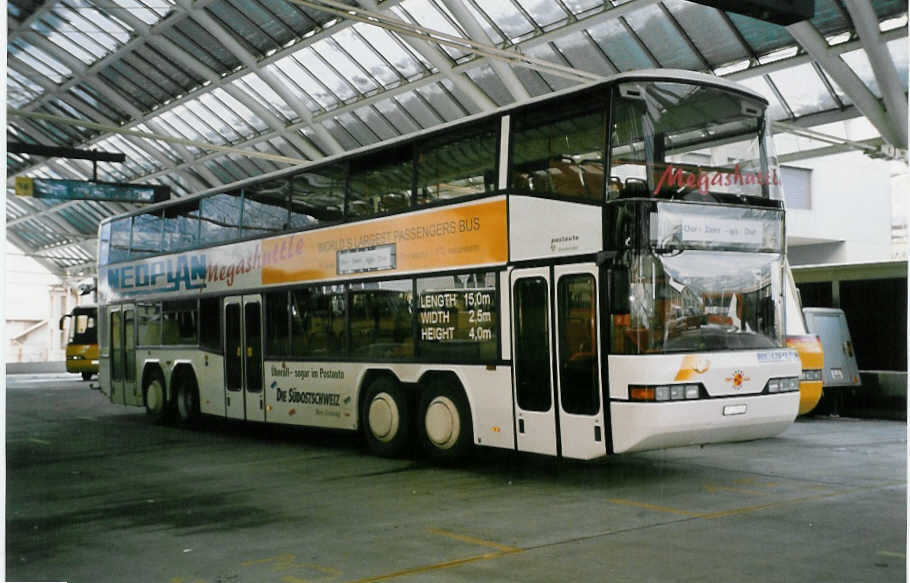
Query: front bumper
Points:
[644, 426]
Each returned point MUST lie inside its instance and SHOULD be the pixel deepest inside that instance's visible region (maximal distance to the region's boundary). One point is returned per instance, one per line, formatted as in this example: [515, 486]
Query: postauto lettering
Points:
[184, 272]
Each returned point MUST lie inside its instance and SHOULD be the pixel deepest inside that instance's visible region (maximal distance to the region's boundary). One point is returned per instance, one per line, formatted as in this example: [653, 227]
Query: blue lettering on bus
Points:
[186, 272]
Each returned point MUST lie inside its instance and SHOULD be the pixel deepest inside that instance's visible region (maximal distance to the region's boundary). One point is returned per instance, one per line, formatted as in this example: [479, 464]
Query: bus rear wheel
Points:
[187, 397]
[155, 399]
[86, 376]
[386, 418]
[446, 430]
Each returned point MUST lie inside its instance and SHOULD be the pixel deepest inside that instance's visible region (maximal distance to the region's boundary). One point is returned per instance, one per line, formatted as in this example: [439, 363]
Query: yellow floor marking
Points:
[503, 551]
[890, 554]
[474, 541]
[652, 507]
[712, 488]
[276, 559]
[433, 567]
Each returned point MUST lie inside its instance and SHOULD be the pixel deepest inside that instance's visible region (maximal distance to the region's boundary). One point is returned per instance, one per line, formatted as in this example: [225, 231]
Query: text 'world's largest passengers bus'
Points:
[593, 272]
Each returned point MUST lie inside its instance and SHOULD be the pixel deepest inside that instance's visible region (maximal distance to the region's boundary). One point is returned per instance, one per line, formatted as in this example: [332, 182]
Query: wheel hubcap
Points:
[442, 423]
[383, 417]
[153, 397]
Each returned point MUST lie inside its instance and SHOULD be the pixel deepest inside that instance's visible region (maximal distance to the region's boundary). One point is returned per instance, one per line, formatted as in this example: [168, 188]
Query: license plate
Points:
[837, 374]
[735, 409]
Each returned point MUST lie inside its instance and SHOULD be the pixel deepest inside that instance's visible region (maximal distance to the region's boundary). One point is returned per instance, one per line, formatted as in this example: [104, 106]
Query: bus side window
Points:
[380, 183]
[210, 323]
[317, 321]
[149, 324]
[450, 167]
[276, 323]
[381, 319]
[558, 151]
[179, 322]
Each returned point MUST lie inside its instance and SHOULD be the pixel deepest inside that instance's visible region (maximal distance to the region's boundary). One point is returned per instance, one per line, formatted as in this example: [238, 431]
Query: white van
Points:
[830, 325]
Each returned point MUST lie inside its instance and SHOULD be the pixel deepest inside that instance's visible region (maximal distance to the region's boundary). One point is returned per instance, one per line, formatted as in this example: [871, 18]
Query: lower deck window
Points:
[381, 321]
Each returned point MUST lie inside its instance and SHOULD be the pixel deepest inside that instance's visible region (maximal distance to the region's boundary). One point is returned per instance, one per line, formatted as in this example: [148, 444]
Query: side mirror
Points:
[61, 322]
[618, 289]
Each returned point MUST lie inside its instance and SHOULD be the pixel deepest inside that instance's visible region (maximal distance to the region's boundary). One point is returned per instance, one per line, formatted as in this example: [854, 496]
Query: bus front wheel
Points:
[446, 431]
[385, 417]
[187, 395]
[86, 376]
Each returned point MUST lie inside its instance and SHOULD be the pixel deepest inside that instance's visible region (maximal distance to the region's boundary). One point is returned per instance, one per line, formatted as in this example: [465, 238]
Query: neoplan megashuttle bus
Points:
[593, 272]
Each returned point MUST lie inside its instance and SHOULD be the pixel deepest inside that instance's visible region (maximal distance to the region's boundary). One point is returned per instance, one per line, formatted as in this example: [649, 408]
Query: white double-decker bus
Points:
[594, 272]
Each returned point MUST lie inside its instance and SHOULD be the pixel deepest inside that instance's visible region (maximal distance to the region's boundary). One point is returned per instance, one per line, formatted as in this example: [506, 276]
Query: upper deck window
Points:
[317, 196]
[265, 208]
[181, 226]
[558, 149]
[120, 239]
[678, 140]
[457, 164]
[220, 217]
[380, 183]
[146, 238]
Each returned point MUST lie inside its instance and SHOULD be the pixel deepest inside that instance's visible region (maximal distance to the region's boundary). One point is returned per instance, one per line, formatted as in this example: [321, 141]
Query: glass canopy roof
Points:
[280, 77]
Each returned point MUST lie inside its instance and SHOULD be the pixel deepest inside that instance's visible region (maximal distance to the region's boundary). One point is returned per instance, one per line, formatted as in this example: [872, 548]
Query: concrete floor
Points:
[95, 492]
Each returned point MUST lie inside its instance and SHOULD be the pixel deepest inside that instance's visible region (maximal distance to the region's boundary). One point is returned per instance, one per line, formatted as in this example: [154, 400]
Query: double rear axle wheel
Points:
[184, 407]
[442, 420]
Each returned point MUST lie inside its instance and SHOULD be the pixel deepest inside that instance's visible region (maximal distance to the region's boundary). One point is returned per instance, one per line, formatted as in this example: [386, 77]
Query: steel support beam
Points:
[475, 32]
[866, 23]
[816, 45]
[439, 59]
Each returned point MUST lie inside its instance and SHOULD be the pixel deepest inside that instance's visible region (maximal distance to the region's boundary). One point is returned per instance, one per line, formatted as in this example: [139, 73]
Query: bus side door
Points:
[581, 410]
[556, 361]
[532, 378]
[123, 355]
[243, 358]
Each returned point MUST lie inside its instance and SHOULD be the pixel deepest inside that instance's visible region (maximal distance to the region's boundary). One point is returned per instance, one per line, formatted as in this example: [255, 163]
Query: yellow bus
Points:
[592, 272]
[81, 340]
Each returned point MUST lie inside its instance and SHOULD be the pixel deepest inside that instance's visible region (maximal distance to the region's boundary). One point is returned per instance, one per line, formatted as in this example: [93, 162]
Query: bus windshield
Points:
[678, 139]
[83, 328]
[701, 277]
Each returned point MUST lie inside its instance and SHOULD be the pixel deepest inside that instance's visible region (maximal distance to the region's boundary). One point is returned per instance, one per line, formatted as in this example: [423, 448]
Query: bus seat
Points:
[592, 174]
[566, 178]
[394, 201]
[359, 208]
[635, 187]
[614, 188]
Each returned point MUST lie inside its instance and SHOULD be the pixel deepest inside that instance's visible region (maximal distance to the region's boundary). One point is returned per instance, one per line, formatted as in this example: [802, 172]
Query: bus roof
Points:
[671, 75]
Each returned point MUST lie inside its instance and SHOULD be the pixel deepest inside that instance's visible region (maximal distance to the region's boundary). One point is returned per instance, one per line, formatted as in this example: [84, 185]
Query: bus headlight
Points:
[811, 375]
[662, 393]
[782, 385]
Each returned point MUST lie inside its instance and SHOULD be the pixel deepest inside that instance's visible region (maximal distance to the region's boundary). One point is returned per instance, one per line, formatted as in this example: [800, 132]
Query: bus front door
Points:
[124, 389]
[532, 377]
[556, 372]
[243, 358]
[582, 428]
